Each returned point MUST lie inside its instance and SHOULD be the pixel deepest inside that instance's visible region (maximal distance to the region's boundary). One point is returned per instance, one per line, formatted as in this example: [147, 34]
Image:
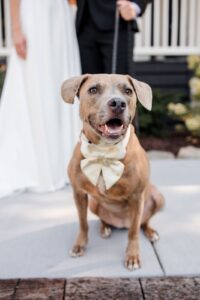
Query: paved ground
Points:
[175, 288]
[37, 231]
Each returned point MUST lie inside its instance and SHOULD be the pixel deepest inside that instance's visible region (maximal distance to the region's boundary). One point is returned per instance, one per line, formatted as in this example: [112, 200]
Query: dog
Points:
[109, 170]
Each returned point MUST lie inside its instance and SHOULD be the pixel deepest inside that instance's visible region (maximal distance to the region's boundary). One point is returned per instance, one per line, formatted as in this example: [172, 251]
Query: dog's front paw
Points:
[77, 251]
[132, 262]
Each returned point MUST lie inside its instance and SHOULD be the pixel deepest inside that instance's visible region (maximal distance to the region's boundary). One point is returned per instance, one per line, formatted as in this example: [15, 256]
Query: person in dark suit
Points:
[95, 23]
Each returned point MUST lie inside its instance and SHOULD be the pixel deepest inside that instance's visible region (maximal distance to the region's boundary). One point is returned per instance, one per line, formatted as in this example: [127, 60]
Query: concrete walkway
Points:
[37, 232]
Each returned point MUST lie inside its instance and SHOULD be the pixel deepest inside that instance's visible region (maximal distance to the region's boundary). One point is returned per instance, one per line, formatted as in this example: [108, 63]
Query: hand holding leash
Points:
[126, 10]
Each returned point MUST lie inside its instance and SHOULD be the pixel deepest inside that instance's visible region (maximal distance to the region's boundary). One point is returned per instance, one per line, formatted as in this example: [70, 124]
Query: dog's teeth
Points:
[102, 128]
[106, 129]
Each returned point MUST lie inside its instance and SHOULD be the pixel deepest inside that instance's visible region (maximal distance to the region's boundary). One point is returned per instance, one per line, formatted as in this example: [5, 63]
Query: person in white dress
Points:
[37, 129]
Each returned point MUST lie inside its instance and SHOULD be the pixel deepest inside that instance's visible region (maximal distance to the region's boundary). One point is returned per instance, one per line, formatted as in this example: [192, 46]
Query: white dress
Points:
[37, 129]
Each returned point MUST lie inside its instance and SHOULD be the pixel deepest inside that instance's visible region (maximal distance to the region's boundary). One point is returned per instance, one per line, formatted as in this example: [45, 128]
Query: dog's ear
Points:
[70, 87]
[143, 92]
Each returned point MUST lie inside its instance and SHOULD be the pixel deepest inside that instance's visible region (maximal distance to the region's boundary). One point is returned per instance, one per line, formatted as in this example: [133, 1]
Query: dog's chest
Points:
[101, 185]
[119, 193]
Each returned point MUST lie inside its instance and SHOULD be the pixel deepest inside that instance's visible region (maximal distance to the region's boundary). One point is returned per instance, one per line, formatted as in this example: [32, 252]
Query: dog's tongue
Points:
[111, 129]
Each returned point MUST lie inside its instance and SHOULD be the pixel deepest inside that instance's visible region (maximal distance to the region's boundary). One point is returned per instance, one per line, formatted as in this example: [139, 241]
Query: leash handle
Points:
[115, 41]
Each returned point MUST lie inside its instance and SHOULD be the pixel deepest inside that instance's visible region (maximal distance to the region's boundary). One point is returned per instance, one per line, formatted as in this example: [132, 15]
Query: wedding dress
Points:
[37, 129]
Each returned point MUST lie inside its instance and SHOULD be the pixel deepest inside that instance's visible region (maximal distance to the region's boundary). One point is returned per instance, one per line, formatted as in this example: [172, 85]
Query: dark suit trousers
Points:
[96, 50]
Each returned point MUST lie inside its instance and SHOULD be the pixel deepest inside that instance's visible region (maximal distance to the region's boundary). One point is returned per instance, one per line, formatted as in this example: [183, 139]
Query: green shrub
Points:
[158, 122]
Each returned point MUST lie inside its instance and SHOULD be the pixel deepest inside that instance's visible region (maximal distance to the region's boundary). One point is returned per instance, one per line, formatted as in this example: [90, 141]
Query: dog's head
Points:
[107, 102]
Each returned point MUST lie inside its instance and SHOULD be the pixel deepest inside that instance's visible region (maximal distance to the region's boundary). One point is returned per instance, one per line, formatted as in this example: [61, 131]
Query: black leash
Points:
[115, 42]
[130, 53]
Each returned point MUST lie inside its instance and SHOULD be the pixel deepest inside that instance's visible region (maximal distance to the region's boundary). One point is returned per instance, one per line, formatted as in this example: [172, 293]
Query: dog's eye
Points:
[92, 90]
[128, 91]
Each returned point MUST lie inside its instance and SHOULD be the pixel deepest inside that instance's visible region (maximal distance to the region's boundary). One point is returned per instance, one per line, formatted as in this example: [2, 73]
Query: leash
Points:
[114, 56]
[130, 71]
[115, 42]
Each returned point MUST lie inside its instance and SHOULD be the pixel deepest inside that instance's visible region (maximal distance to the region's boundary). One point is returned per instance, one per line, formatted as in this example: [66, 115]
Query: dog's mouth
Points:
[113, 128]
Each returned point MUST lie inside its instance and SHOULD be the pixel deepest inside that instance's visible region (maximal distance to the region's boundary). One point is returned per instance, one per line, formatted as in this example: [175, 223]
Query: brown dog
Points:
[109, 169]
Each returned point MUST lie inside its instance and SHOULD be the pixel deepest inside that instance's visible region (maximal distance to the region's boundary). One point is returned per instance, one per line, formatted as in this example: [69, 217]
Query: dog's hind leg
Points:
[150, 233]
[153, 204]
[105, 229]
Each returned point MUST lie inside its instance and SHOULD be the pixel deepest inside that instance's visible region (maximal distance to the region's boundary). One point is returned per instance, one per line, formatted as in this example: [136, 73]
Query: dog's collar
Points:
[103, 159]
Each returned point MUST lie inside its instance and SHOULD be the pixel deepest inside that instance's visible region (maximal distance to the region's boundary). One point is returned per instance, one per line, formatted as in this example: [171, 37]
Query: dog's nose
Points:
[117, 105]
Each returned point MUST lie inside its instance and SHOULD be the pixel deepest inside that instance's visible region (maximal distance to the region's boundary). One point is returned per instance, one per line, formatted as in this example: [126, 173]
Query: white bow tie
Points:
[103, 159]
